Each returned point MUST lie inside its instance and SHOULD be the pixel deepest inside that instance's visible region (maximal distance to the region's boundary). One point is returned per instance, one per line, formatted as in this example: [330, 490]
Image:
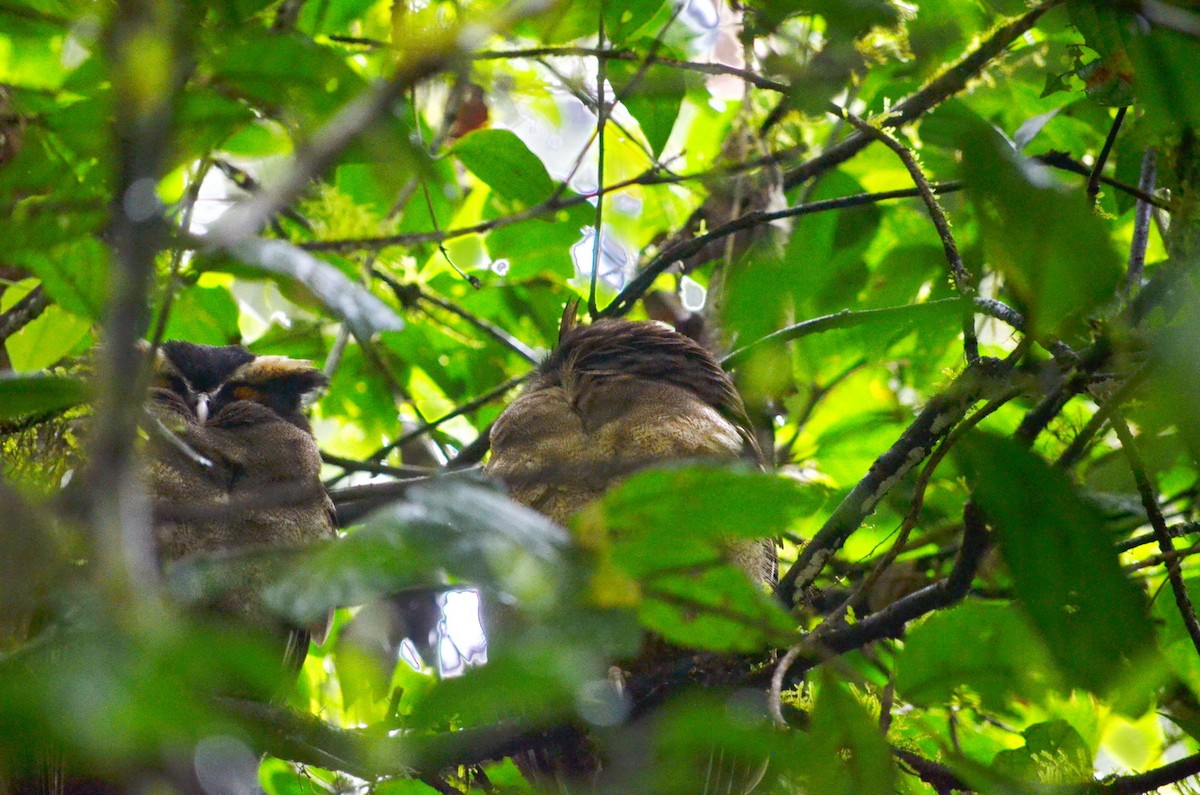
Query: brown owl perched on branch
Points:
[612, 398]
[239, 470]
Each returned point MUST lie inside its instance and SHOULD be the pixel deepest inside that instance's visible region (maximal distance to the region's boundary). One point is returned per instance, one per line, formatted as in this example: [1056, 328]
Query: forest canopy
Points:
[947, 250]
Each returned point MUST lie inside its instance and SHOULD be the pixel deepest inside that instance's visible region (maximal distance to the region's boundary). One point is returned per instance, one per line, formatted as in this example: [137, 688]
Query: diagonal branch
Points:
[958, 271]
[979, 381]
[1149, 496]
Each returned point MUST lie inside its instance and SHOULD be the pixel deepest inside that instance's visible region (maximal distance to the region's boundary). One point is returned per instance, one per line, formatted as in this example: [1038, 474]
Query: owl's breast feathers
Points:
[259, 483]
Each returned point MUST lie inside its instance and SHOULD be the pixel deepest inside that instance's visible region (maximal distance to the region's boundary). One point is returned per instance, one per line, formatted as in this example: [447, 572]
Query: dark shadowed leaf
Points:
[1064, 567]
[1051, 748]
[30, 394]
[708, 742]
[680, 534]
[1060, 278]
[713, 607]
[986, 647]
[844, 753]
[654, 99]
[659, 506]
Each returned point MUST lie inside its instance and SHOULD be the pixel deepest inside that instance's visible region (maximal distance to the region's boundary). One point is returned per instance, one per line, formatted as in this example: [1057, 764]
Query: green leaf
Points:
[714, 607]
[75, 274]
[846, 19]
[1066, 572]
[1165, 75]
[1059, 278]
[845, 752]
[504, 163]
[711, 742]
[45, 340]
[36, 394]
[463, 528]
[985, 647]
[656, 508]
[204, 315]
[683, 533]
[624, 19]
[1051, 748]
[654, 100]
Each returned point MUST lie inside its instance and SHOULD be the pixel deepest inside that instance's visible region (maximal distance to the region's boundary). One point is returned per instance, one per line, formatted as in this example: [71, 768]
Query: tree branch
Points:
[1149, 496]
[981, 381]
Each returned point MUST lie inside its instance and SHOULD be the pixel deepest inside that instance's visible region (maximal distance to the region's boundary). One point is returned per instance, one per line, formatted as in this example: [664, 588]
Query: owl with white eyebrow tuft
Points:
[243, 474]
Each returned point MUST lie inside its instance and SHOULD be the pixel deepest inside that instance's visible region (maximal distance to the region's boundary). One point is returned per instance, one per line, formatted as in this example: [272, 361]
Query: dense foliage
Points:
[948, 248]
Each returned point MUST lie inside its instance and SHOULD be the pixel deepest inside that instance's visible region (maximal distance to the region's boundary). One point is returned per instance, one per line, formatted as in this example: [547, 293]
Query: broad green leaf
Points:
[36, 394]
[654, 100]
[651, 510]
[1165, 75]
[985, 647]
[713, 607]
[308, 82]
[204, 315]
[504, 163]
[259, 138]
[333, 17]
[1060, 278]
[1052, 748]
[624, 19]
[1065, 570]
[75, 274]
[469, 530]
[676, 532]
[845, 19]
[844, 751]
[712, 741]
[45, 340]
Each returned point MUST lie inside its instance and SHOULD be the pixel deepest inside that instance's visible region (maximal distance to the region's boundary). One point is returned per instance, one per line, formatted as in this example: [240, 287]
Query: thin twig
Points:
[1083, 439]
[440, 50]
[958, 271]
[24, 312]
[638, 285]
[942, 413]
[1176, 530]
[601, 117]
[1149, 495]
[352, 465]
[914, 509]
[465, 408]
[1061, 160]
[1093, 183]
[945, 85]
[407, 293]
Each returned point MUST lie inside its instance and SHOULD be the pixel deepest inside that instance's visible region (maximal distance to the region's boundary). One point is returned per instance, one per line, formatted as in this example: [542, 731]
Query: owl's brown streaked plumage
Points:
[258, 485]
[612, 398]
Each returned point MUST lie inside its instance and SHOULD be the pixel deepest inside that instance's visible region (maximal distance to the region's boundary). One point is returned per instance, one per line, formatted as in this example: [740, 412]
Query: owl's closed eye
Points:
[207, 379]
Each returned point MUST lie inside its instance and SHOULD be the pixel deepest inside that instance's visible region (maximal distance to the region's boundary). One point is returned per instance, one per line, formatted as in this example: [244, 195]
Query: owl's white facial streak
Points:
[202, 407]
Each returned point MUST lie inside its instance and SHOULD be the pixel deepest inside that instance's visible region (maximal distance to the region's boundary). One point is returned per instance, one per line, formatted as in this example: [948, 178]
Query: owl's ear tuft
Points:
[570, 318]
[281, 375]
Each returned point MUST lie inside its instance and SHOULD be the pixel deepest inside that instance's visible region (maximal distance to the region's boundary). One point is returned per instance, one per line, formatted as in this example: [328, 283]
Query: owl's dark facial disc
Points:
[205, 367]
